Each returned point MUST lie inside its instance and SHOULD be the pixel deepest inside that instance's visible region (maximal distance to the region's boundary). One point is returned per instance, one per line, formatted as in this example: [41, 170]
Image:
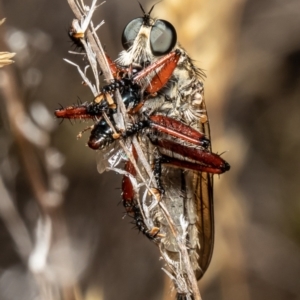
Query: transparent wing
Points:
[109, 157]
[203, 188]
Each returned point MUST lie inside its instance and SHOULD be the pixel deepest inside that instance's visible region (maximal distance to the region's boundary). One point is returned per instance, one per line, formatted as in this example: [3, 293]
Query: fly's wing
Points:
[109, 157]
[203, 189]
[189, 193]
[205, 223]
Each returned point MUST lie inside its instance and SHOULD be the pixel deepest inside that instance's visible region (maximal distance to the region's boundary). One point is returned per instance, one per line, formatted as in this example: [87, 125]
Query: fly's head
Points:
[146, 39]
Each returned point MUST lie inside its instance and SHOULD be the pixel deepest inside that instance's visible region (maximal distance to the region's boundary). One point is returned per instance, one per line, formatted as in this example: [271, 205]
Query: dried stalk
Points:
[93, 48]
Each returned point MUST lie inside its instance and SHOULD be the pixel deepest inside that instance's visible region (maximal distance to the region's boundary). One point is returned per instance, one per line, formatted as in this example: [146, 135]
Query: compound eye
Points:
[163, 37]
[130, 32]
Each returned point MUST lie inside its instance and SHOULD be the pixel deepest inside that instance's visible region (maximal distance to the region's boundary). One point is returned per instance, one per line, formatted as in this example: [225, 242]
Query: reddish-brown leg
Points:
[168, 63]
[73, 112]
[130, 204]
[128, 194]
[186, 157]
[178, 129]
[115, 70]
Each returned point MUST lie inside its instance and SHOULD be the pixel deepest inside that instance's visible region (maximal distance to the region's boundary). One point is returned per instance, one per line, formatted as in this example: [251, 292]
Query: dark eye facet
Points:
[163, 37]
[130, 32]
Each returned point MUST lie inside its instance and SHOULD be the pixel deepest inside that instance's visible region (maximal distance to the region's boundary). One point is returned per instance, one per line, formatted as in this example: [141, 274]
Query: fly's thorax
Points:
[183, 94]
[187, 91]
[190, 104]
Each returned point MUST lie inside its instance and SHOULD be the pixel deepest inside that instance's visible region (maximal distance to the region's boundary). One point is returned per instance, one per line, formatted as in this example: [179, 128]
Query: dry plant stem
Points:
[127, 152]
[85, 79]
[93, 65]
[101, 58]
[75, 9]
[143, 160]
[96, 47]
[132, 159]
[100, 55]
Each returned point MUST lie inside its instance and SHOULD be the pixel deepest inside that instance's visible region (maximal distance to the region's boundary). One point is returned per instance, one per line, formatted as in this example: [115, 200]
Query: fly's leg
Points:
[114, 68]
[129, 83]
[129, 88]
[173, 139]
[178, 130]
[168, 63]
[128, 194]
[157, 173]
[102, 134]
[131, 206]
[152, 234]
[187, 157]
[170, 127]
[217, 166]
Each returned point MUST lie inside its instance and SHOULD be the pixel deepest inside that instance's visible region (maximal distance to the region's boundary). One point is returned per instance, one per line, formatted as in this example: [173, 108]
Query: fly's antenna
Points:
[147, 15]
[153, 7]
[143, 8]
[146, 18]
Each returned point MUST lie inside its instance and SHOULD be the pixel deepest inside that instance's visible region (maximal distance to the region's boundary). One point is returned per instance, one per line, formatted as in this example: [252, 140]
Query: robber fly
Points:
[188, 189]
[163, 93]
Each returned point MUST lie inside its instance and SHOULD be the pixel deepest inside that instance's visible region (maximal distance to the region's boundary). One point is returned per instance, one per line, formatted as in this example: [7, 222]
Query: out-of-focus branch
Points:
[33, 141]
[18, 120]
[14, 224]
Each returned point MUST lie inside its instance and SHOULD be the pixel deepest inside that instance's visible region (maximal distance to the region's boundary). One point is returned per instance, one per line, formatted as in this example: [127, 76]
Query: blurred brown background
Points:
[250, 51]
